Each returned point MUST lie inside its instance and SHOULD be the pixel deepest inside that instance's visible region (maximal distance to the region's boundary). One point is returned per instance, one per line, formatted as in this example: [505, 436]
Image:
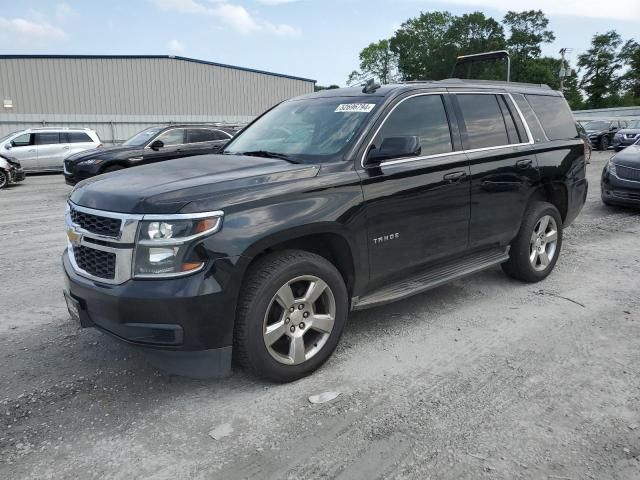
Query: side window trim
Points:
[413, 159]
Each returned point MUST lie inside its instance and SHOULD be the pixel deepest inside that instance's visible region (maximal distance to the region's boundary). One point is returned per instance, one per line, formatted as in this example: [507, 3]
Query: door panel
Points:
[51, 152]
[417, 207]
[417, 212]
[24, 149]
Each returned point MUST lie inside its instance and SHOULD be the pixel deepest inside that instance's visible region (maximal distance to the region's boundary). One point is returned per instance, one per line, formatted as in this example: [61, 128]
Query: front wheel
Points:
[292, 309]
[604, 143]
[4, 179]
[535, 250]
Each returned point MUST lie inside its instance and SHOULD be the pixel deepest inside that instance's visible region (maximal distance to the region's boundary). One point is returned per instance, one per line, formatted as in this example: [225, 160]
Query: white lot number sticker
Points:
[355, 107]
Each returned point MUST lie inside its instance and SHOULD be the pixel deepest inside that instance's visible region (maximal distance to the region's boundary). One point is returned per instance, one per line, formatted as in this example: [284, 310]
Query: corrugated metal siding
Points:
[134, 92]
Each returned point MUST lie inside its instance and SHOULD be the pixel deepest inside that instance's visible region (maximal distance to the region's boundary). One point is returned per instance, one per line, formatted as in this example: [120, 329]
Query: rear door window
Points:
[423, 116]
[197, 135]
[47, 138]
[555, 117]
[483, 119]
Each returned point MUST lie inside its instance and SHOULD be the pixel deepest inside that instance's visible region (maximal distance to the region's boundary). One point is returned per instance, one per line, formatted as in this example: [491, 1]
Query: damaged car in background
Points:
[10, 171]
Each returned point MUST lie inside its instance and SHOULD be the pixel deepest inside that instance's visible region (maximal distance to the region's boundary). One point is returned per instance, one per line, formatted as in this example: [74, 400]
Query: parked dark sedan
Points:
[627, 136]
[155, 144]
[601, 132]
[621, 178]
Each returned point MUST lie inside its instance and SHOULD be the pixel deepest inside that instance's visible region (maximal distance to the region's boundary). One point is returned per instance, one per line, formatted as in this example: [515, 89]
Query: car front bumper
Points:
[620, 191]
[181, 318]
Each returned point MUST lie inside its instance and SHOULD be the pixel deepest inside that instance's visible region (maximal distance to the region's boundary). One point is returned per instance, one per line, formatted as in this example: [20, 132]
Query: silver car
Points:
[44, 149]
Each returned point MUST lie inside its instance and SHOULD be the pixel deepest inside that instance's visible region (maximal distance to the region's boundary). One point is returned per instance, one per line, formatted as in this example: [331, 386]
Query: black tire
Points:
[113, 168]
[4, 179]
[604, 143]
[519, 265]
[257, 298]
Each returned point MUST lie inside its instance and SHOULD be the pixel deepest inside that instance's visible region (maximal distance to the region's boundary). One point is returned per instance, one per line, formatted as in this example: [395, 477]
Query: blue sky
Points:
[318, 39]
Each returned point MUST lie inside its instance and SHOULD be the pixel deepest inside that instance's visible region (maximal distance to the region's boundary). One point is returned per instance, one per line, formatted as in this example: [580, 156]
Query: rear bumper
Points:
[577, 196]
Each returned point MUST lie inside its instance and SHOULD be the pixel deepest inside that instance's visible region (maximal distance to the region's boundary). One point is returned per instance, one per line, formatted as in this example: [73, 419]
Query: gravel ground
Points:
[483, 378]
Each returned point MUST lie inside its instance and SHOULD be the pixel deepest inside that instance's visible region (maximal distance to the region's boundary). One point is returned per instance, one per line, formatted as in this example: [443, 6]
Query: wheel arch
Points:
[556, 193]
[327, 240]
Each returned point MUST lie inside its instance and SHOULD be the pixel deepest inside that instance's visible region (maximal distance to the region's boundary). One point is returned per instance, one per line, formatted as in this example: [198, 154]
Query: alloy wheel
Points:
[299, 320]
[544, 243]
[3, 179]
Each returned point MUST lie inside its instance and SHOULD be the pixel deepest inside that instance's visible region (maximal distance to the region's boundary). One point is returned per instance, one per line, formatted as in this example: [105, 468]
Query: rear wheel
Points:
[291, 313]
[604, 143]
[535, 250]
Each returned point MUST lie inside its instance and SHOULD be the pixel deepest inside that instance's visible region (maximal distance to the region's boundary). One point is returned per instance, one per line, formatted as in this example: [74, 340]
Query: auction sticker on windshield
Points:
[355, 107]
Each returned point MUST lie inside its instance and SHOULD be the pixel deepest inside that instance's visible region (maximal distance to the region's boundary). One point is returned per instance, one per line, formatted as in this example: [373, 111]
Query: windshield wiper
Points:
[267, 154]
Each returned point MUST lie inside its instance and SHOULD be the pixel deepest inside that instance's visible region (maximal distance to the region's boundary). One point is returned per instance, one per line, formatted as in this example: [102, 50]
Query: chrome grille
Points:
[108, 227]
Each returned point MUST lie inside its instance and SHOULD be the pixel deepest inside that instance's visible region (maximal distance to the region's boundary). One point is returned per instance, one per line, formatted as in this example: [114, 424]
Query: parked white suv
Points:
[44, 149]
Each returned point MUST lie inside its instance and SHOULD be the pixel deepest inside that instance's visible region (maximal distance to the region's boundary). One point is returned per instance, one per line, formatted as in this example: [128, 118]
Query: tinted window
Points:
[555, 116]
[78, 137]
[484, 121]
[175, 136]
[205, 135]
[509, 121]
[423, 117]
[530, 117]
[49, 138]
[23, 140]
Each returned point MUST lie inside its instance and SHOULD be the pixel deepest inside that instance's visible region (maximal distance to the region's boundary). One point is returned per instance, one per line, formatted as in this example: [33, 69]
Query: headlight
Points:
[612, 168]
[93, 161]
[167, 246]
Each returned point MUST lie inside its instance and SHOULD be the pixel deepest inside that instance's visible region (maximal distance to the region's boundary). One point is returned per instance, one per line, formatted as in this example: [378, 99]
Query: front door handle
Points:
[65, 147]
[526, 163]
[455, 176]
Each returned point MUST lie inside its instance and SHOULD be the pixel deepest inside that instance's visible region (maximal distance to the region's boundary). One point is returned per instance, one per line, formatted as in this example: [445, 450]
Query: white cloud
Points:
[623, 9]
[176, 47]
[29, 33]
[233, 16]
[64, 12]
[276, 2]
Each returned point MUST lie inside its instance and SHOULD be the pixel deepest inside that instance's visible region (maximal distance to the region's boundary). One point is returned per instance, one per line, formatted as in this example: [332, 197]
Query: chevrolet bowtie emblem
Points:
[73, 236]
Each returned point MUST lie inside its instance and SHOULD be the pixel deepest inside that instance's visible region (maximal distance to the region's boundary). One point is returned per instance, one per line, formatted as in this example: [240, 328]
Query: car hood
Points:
[107, 153]
[629, 157]
[629, 130]
[168, 187]
[591, 132]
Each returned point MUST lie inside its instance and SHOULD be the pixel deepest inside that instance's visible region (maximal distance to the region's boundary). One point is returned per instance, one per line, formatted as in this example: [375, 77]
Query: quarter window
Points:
[554, 115]
[197, 135]
[78, 137]
[424, 117]
[484, 121]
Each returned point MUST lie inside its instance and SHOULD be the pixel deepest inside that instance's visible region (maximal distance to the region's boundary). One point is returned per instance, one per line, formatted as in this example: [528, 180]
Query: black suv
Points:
[154, 144]
[336, 201]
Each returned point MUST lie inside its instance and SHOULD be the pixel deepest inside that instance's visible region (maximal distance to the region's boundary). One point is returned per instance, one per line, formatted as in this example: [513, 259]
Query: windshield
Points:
[597, 125]
[140, 139]
[311, 130]
[6, 137]
[634, 124]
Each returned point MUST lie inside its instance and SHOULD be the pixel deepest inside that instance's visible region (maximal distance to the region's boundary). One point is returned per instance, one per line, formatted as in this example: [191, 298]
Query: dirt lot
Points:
[483, 378]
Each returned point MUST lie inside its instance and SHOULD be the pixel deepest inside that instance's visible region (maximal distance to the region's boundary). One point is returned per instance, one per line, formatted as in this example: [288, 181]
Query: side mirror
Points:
[395, 147]
[9, 146]
[156, 145]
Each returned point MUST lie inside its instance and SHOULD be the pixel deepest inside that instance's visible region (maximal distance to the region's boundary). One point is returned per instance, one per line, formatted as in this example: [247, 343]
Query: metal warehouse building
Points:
[120, 95]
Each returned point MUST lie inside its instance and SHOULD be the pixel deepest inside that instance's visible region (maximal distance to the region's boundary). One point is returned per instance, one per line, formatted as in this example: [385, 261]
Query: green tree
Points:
[630, 57]
[421, 47]
[376, 60]
[601, 64]
[527, 32]
[427, 45]
[572, 91]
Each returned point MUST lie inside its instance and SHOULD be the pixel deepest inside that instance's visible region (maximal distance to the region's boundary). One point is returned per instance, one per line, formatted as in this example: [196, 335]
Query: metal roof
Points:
[171, 57]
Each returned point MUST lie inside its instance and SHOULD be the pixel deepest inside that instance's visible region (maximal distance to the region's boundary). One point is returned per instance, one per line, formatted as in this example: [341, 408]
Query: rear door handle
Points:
[526, 163]
[455, 176]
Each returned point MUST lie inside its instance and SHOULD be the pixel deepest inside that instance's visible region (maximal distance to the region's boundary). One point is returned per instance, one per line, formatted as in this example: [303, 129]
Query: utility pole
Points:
[563, 69]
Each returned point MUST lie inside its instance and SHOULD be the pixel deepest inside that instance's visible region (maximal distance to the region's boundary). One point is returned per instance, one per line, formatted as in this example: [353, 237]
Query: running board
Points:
[433, 278]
